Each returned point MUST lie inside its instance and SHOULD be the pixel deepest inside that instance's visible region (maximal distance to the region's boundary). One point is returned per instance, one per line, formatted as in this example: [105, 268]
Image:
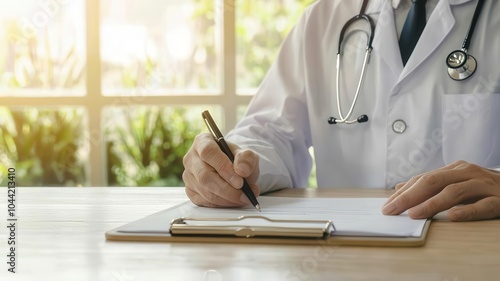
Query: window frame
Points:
[94, 102]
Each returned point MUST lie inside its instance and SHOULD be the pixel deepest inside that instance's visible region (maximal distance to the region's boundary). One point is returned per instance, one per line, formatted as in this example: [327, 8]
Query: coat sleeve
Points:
[276, 124]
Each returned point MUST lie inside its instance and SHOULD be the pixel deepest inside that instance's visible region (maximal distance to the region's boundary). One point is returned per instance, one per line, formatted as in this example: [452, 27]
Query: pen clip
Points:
[212, 127]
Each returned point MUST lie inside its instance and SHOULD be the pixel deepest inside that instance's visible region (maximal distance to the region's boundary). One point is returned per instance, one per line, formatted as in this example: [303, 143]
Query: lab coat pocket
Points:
[471, 129]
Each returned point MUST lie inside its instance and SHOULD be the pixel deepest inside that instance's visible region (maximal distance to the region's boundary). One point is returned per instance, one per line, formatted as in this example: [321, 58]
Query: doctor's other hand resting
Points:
[212, 180]
[470, 192]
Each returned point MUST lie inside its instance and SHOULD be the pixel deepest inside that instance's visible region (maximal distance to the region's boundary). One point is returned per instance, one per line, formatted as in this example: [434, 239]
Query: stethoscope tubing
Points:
[352, 20]
[459, 72]
[358, 88]
[470, 32]
[361, 16]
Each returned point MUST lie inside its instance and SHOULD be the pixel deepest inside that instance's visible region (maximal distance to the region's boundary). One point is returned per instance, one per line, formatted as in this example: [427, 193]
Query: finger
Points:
[210, 153]
[198, 200]
[484, 209]
[213, 196]
[208, 184]
[414, 179]
[425, 187]
[451, 195]
[215, 189]
[399, 185]
[207, 178]
[246, 165]
[402, 189]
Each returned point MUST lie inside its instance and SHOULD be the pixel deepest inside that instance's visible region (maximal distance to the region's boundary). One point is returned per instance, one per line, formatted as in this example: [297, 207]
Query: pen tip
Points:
[258, 208]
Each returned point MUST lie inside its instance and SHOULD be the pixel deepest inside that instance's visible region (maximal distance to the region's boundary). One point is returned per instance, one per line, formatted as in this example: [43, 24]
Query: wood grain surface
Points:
[61, 237]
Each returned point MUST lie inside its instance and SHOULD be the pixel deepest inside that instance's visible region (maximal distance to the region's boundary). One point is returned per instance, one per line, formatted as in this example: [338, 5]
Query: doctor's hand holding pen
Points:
[212, 180]
[470, 192]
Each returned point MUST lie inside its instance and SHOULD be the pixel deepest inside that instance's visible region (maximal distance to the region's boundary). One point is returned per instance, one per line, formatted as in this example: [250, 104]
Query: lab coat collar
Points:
[386, 44]
[437, 28]
[385, 41]
[375, 6]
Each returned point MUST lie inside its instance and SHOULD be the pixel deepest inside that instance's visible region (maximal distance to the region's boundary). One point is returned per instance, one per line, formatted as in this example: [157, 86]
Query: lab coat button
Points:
[399, 126]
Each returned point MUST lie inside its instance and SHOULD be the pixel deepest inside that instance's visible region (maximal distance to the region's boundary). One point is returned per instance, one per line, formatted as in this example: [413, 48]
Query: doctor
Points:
[432, 138]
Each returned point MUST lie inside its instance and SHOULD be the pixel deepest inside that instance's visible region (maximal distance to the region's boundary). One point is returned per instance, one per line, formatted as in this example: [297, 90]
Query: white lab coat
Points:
[446, 120]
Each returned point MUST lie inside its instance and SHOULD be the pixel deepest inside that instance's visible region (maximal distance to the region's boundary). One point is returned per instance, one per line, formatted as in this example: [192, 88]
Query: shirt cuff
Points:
[496, 169]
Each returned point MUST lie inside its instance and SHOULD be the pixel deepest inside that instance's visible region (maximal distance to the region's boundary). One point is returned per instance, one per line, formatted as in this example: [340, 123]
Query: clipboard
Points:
[239, 227]
[175, 229]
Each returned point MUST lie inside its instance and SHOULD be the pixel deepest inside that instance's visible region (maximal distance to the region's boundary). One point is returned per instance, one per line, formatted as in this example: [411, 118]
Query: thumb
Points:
[246, 165]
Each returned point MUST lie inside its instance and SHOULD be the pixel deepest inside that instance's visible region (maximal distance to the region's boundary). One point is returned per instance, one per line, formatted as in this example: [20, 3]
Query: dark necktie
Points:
[414, 25]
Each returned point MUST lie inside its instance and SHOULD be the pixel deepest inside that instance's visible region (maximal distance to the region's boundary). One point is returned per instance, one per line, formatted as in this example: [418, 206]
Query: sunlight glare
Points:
[179, 42]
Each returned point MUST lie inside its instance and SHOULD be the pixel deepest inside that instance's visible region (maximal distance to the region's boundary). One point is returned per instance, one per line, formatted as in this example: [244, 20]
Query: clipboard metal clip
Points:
[252, 226]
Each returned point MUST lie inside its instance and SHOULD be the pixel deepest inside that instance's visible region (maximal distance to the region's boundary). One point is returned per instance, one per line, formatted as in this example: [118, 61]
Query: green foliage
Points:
[138, 75]
[36, 66]
[43, 146]
[261, 26]
[147, 149]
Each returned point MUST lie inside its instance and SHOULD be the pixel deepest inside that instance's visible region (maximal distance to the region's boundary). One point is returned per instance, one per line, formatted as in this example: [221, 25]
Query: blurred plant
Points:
[261, 27]
[41, 62]
[43, 146]
[147, 149]
[139, 76]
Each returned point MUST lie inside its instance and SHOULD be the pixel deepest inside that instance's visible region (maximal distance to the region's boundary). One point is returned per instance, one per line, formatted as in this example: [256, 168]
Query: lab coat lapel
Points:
[437, 28]
[385, 42]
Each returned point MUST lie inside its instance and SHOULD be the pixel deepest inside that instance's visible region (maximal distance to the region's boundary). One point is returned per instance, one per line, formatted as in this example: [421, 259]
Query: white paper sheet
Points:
[350, 216]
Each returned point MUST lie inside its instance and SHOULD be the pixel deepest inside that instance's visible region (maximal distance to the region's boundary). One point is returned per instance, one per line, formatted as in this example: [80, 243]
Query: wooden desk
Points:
[61, 237]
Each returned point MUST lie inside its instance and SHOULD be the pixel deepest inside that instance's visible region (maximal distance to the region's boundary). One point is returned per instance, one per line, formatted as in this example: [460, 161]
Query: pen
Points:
[219, 139]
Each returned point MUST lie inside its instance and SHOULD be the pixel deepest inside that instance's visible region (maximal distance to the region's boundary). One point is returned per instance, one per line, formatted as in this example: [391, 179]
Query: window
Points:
[104, 93]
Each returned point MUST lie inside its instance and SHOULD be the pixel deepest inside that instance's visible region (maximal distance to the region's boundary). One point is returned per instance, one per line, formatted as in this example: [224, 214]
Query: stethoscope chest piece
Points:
[460, 65]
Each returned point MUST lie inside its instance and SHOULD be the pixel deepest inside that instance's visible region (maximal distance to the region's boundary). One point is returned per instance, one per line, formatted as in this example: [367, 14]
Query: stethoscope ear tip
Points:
[363, 118]
[332, 120]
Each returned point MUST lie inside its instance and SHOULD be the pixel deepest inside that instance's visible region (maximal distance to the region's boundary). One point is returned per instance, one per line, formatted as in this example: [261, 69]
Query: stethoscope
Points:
[460, 64]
